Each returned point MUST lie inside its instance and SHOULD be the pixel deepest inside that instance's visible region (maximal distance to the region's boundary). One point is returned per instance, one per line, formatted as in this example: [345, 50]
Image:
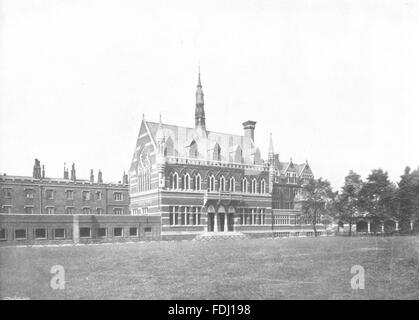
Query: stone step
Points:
[210, 236]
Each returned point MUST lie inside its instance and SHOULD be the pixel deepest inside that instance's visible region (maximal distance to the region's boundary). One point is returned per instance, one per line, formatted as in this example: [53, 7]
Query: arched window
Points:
[232, 185]
[186, 181]
[193, 150]
[262, 186]
[244, 185]
[216, 152]
[211, 183]
[254, 185]
[222, 184]
[174, 180]
[197, 182]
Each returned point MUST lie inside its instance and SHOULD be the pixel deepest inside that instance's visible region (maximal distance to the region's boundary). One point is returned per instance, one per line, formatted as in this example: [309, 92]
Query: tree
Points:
[408, 198]
[316, 200]
[348, 201]
[378, 196]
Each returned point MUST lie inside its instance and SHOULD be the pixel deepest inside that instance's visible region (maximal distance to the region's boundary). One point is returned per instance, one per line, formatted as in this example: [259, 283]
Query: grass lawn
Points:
[293, 268]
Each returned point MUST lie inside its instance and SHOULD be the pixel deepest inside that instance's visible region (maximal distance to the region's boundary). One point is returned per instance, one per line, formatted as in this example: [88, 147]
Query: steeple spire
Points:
[199, 107]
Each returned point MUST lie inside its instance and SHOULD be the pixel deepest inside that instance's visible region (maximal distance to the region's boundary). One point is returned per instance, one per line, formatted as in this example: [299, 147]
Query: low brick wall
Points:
[29, 229]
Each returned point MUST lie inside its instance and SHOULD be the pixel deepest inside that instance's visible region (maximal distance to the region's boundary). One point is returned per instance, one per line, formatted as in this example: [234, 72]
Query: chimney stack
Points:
[249, 129]
[73, 172]
[125, 178]
[249, 137]
[37, 170]
[99, 177]
[92, 177]
[65, 172]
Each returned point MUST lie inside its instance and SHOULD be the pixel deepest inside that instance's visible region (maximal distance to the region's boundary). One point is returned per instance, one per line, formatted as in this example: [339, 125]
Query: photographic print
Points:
[224, 151]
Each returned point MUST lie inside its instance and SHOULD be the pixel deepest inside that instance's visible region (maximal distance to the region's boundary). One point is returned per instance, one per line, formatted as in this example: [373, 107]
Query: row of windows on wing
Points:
[61, 233]
[67, 210]
[292, 220]
[49, 194]
[290, 177]
[221, 184]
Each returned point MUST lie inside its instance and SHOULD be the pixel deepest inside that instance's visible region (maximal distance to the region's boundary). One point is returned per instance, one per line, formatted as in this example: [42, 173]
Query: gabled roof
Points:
[183, 136]
[284, 167]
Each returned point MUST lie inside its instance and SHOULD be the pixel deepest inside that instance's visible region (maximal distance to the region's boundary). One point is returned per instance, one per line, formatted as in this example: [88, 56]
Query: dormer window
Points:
[193, 150]
[216, 155]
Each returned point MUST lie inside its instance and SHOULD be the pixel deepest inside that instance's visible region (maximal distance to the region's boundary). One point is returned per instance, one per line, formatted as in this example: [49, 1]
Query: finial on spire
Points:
[160, 134]
[271, 145]
[199, 78]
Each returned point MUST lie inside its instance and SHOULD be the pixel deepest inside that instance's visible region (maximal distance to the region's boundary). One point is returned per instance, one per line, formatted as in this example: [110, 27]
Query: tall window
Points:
[50, 210]
[144, 179]
[244, 185]
[262, 186]
[174, 180]
[69, 194]
[222, 184]
[232, 185]
[197, 182]
[211, 183]
[186, 182]
[254, 185]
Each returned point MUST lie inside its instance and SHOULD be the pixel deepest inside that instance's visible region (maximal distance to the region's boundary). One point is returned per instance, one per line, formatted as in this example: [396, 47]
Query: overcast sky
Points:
[336, 82]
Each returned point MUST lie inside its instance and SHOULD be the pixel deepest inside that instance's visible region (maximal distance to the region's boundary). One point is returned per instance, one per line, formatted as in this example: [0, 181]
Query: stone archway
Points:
[389, 226]
[376, 226]
[222, 218]
[362, 226]
[211, 219]
[404, 226]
